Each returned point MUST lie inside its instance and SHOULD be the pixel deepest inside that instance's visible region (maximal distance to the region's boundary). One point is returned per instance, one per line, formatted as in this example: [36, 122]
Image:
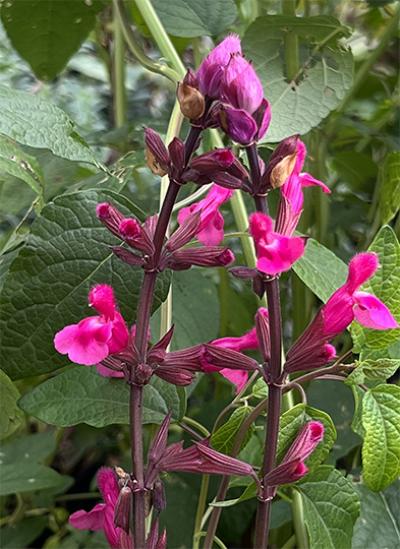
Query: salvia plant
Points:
[267, 444]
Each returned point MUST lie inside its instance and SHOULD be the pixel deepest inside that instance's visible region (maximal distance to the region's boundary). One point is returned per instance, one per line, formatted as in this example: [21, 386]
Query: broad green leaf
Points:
[29, 449]
[47, 33]
[81, 395]
[389, 195]
[373, 370]
[320, 270]
[38, 123]
[291, 423]
[190, 18]
[385, 285]
[23, 533]
[331, 506]
[324, 76]
[381, 425]
[47, 284]
[379, 521]
[15, 162]
[355, 168]
[11, 416]
[260, 389]
[223, 439]
[19, 478]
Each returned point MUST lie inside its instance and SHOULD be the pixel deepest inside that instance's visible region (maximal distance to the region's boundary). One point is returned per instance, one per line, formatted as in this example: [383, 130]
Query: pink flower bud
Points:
[129, 229]
[217, 357]
[238, 124]
[241, 88]
[110, 216]
[156, 152]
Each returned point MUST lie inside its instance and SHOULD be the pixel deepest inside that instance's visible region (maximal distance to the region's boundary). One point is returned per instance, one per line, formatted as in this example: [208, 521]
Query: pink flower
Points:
[312, 349]
[247, 342]
[212, 68]
[241, 88]
[101, 517]
[275, 253]
[292, 199]
[95, 337]
[211, 228]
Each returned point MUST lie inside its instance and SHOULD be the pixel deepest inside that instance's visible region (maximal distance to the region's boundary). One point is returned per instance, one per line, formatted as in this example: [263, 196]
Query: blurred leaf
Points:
[15, 162]
[320, 270]
[385, 285]
[355, 168]
[379, 521]
[29, 449]
[373, 370]
[47, 285]
[11, 416]
[389, 196]
[381, 447]
[291, 423]
[47, 33]
[32, 121]
[324, 77]
[331, 506]
[224, 437]
[190, 18]
[18, 478]
[81, 395]
[23, 533]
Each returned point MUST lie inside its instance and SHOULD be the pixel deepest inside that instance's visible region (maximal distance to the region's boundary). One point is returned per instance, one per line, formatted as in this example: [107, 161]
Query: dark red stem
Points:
[142, 325]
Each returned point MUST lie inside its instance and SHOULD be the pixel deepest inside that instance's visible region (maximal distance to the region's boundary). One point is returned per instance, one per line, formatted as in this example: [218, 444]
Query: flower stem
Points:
[201, 506]
[118, 77]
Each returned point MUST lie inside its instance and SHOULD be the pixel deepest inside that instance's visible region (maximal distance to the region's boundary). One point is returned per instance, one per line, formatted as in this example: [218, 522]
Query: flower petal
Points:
[238, 124]
[91, 520]
[372, 313]
[361, 268]
[279, 255]
[237, 377]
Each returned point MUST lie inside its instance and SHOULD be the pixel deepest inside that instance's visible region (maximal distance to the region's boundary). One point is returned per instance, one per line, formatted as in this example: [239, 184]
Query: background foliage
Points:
[71, 136]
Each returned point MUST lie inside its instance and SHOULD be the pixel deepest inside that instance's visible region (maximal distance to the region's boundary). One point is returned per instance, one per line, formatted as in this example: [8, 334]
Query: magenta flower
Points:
[211, 229]
[101, 517]
[275, 253]
[348, 303]
[292, 199]
[95, 337]
[211, 70]
[247, 342]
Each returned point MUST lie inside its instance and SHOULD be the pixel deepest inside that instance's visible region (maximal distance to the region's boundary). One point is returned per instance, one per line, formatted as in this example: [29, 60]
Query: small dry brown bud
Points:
[153, 164]
[191, 101]
[282, 170]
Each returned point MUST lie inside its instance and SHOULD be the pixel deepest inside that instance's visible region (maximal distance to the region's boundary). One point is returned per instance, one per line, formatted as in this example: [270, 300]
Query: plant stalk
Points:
[118, 79]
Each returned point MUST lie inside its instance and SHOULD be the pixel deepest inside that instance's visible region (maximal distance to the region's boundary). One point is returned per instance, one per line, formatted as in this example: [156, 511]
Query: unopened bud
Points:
[191, 101]
[123, 509]
[129, 228]
[153, 164]
[159, 500]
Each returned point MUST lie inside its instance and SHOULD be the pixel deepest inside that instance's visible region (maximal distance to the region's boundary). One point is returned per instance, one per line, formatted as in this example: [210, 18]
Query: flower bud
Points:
[241, 88]
[191, 101]
[129, 229]
[123, 509]
[110, 216]
[157, 156]
[281, 164]
[159, 499]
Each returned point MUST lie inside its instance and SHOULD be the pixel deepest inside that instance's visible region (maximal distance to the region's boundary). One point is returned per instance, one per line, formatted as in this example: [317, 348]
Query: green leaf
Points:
[47, 284]
[320, 270]
[35, 122]
[20, 478]
[385, 285]
[29, 449]
[379, 521]
[190, 18]
[47, 33]
[373, 370]
[324, 76]
[260, 389]
[291, 423]
[381, 425]
[24, 533]
[331, 506]
[81, 395]
[389, 195]
[14, 162]
[224, 437]
[11, 416]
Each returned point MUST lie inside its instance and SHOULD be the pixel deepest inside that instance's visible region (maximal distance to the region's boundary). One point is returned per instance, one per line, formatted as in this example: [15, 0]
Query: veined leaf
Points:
[223, 439]
[11, 416]
[373, 370]
[15, 162]
[389, 196]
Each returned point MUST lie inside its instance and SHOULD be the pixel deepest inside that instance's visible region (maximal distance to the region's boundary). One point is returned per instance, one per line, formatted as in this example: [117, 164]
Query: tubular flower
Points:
[211, 228]
[247, 342]
[276, 253]
[284, 171]
[95, 337]
[348, 303]
[101, 517]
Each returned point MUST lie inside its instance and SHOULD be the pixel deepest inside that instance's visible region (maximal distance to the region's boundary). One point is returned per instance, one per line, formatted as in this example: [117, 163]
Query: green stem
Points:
[119, 74]
[135, 48]
[201, 507]
[160, 35]
[291, 43]
[242, 224]
[201, 429]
